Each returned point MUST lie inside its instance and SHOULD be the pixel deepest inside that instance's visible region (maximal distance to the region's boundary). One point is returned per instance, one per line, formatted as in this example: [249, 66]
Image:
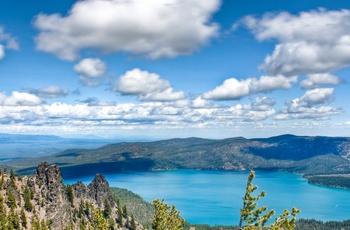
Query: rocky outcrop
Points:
[57, 206]
[80, 190]
[48, 180]
[99, 190]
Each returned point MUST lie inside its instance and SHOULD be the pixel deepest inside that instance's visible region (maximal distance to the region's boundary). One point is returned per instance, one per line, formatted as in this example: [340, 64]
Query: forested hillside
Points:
[306, 155]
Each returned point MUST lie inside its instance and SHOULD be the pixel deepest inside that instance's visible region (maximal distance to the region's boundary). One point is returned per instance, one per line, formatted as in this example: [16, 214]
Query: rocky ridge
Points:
[44, 202]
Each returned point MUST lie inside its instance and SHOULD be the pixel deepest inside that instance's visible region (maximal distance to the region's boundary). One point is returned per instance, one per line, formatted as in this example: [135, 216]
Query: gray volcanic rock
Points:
[57, 204]
[48, 181]
[99, 190]
[80, 190]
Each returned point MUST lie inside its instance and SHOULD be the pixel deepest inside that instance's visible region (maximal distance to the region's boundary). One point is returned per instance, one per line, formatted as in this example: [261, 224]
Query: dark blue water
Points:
[215, 197]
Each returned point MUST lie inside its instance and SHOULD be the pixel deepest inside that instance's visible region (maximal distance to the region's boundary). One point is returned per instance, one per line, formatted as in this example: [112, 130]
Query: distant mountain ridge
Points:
[27, 137]
[303, 147]
[26, 145]
[300, 154]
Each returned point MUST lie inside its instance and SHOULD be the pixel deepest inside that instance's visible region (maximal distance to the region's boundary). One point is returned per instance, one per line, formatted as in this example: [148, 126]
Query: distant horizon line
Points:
[150, 138]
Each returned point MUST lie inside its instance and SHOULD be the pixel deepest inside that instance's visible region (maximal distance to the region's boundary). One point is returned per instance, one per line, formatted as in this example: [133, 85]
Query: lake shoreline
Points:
[179, 186]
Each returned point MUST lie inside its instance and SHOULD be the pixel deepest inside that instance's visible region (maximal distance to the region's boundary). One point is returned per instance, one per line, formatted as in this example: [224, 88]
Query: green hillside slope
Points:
[306, 155]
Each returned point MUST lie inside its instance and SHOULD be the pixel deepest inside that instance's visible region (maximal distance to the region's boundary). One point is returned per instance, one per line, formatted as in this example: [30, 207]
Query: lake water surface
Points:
[215, 197]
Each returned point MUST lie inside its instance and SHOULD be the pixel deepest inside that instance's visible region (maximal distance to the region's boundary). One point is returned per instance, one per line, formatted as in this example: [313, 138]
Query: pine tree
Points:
[87, 208]
[166, 217]
[120, 216]
[3, 216]
[15, 220]
[27, 203]
[81, 209]
[125, 211]
[82, 224]
[107, 209]
[98, 221]
[111, 223]
[2, 180]
[10, 224]
[252, 217]
[13, 179]
[70, 194]
[133, 223]
[23, 218]
[11, 199]
[35, 223]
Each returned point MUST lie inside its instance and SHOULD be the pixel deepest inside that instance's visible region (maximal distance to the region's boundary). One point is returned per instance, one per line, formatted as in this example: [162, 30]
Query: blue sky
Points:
[174, 68]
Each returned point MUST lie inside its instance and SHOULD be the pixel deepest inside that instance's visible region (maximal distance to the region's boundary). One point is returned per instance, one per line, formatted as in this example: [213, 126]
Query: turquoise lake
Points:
[215, 197]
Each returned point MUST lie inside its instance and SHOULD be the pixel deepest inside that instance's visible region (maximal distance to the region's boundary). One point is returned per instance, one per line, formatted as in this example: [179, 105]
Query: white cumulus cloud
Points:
[51, 91]
[98, 116]
[316, 80]
[311, 42]
[136, 81]
[147, 86]
[91, 71]
[317, 96]
[19, 99]
[90, 67]
[151, 28]
[310, 106]
[262, 103]
[7, 41]
[233, 89]
[165, 95]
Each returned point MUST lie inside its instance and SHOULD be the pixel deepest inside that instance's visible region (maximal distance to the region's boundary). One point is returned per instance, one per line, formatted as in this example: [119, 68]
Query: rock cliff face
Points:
[98, 190]
[43, 202]
[52, 195]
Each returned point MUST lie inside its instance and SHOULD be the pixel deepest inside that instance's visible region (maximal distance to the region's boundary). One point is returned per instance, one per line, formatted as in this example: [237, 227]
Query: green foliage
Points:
[133, 223]
[11, 199]
[283, 221]
[81, 209]
[111, 223]
[23, 218]
[2, 180]
[16, 221]
[250, 213]
[252, 217]
[82, 225]
[107, 209]
[13, 220]
[12, 179]
[98, 221]
[35, 223]
[2, 213]
[307, 224]
[330, 180]
[120, 216]
[166, 217]
[125, 211]
[70, 194]
[27, 196]
[87, 208]
[142, 210]
[39, 225]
